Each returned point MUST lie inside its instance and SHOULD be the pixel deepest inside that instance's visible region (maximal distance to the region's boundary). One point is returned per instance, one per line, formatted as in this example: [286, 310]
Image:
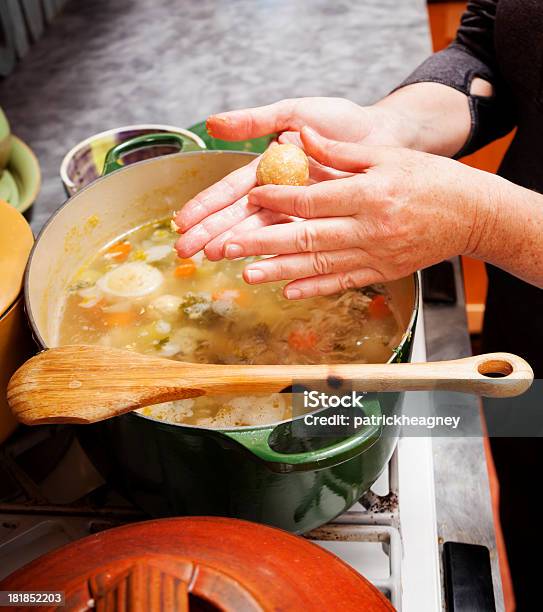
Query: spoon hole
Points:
[495, 368]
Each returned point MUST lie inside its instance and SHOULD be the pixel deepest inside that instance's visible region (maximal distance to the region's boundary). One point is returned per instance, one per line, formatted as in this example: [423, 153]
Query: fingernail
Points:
[208, 125]
[255, 276]
[217, 119]
[293, 294]
[309, 130]
[233, 251]
[252, 200]
[181, 250]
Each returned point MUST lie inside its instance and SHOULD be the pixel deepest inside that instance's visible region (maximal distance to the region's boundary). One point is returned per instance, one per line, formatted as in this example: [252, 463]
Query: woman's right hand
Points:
[219, 212]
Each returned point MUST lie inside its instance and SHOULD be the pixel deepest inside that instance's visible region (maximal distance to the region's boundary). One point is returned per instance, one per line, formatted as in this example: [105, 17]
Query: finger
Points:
[291, 138]
[331, 198]
[298, 237]
[253, 122]
[331, 283]
[347, 156]
[214, 250]
[319, 173]
[301, 265]
[220, 195]
[198, 236]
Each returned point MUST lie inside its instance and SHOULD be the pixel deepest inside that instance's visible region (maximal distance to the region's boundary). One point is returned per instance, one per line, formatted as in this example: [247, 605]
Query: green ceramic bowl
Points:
[9, 190]
[24, 167]
[5, 140]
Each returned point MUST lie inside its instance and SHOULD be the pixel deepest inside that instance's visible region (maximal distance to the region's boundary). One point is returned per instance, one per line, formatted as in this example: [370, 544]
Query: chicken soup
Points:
[138, 295]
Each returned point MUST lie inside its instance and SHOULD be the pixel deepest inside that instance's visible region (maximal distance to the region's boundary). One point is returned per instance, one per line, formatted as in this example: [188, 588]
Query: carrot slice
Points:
[185, 268]
[378, 308]
[302, 339]
[240, 297]
[119, 319]
[119, 252]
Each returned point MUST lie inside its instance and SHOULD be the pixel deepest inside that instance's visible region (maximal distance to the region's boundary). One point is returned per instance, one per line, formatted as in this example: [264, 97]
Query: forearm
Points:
[508, 229]
[456, 99]
[431, 117]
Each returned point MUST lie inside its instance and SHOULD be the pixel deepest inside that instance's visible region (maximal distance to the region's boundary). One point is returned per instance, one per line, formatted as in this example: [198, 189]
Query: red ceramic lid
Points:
[198, 564]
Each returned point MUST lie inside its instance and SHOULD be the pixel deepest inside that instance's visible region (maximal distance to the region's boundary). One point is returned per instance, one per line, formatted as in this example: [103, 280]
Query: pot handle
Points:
[113, 157]
[257, 442]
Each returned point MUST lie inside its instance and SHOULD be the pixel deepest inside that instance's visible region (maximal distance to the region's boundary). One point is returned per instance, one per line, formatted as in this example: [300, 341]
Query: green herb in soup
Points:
[138, 295]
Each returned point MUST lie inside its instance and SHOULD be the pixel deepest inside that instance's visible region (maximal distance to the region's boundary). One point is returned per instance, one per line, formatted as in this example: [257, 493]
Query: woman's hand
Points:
[334, 118]
[220, 211]
[399, 211]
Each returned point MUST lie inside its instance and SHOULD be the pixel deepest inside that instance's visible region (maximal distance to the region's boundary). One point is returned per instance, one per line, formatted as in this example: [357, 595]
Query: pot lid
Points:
[15, 243]
[199, 563]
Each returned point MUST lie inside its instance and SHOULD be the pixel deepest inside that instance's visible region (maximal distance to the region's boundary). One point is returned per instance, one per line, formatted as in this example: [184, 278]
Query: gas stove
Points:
[390, 535]
[50, 495]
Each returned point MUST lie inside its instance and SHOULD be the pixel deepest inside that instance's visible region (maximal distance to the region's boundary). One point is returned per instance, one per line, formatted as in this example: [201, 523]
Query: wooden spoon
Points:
[85, 384]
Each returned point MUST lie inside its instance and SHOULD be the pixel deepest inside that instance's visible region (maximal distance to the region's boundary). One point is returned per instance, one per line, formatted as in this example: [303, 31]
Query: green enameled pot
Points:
[269, 474]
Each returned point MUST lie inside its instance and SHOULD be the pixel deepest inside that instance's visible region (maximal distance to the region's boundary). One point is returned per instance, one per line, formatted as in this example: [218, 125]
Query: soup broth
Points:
[138, 295]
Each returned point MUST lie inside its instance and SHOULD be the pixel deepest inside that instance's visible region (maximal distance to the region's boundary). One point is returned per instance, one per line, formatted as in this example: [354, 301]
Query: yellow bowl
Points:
[15, 340]
[16, 346]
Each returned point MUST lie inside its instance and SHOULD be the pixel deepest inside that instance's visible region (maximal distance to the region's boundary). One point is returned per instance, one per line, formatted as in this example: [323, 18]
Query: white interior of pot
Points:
[106, 209]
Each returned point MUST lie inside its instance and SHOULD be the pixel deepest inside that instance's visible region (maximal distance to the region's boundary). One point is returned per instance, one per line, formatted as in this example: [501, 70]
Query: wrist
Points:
[488, 209]
[396, 127]
[510, 237]
[432, 117]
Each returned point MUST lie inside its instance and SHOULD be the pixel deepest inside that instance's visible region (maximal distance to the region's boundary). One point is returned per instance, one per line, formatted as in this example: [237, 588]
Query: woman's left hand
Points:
[399, 211]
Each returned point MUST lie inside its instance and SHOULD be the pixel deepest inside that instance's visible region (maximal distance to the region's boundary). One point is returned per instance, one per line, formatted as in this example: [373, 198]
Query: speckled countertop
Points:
[104, 64]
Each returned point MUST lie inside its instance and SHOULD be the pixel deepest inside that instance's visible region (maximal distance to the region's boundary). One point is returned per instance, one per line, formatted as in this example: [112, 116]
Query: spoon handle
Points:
[85, 384]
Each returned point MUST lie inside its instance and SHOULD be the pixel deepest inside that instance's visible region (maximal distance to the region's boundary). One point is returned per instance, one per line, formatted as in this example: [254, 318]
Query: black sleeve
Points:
[470, 55]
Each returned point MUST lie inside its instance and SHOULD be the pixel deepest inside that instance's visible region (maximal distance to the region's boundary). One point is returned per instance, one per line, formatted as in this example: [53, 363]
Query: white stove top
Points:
[396, 547]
